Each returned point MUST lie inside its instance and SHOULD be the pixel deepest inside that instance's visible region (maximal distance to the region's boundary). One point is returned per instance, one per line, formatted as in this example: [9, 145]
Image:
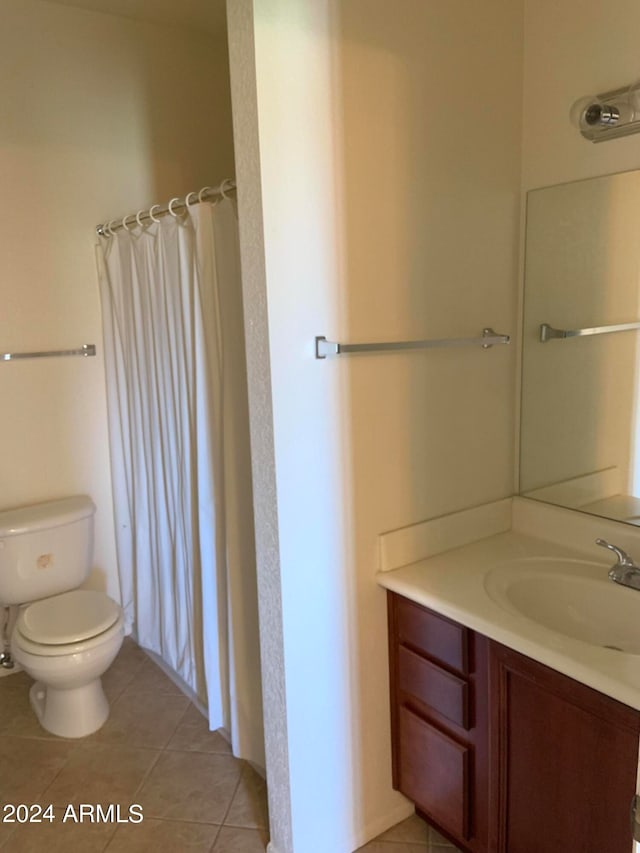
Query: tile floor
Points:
[155, 750]
[411, 836]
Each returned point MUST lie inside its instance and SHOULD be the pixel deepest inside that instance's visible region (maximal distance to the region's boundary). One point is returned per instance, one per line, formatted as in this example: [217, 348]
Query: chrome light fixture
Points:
[608, 115]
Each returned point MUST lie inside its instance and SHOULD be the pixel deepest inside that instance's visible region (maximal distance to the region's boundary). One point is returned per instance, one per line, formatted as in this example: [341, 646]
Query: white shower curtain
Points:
[178, 426]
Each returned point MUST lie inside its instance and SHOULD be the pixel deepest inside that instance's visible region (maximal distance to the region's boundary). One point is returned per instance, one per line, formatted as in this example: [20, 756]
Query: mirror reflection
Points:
[580, 428]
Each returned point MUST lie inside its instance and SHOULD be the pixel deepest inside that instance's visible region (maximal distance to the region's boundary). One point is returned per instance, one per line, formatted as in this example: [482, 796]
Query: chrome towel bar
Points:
[488, 339]
[85, 350]
[548, 333]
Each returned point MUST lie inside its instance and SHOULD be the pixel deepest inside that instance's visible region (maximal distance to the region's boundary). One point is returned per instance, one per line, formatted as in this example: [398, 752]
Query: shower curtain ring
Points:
[138, 215]
[227, 184]
[188, 196]
[110, 227]
[202, 192]
[124, 223]
[171, 210]
[151, 209]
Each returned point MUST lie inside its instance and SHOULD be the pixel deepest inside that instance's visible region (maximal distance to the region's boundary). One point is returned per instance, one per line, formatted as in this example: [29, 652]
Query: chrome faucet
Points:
[625, 571]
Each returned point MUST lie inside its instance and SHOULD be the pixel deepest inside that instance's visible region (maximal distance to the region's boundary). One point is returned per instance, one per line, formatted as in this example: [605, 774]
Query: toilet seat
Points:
[68, 618]
[68, 623]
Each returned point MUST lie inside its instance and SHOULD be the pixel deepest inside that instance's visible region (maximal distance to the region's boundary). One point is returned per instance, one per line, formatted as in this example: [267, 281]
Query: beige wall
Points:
[430, 194]
[390, 199]
[575, 48]
[100, 116]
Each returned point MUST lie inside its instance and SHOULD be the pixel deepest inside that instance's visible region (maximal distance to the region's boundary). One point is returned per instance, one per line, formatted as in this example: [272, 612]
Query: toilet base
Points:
[73, 713]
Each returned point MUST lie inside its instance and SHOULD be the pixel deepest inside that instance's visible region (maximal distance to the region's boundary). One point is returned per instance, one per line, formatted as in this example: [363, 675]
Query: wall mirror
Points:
[580, 427]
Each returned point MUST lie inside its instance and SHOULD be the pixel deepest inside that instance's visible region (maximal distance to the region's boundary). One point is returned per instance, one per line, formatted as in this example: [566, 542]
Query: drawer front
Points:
[434, 773]
[440, 639]
[443, 692]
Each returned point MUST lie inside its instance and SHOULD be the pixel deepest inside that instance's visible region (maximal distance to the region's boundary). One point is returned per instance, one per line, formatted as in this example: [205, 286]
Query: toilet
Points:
[64, 637]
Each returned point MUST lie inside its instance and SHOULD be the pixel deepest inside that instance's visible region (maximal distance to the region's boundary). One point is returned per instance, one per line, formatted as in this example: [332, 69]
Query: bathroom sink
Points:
[570, 597]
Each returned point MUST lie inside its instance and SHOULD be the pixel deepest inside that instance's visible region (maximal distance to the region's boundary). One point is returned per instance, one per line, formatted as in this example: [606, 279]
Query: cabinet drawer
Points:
[434, 773]
[443, 692]
[440, 639]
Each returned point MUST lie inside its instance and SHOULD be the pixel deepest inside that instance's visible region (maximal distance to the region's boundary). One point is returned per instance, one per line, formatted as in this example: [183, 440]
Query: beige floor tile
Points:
[28, 766]
[17, 717]
[151, 678]
[186, 791]
[439, 840]
[193, 735]
[190, 786]
[163, 836]
[5, 831]
[16, 711]
[131, 653]
[60, 836]
[413, 829]
[235, 840]
[115, 682]
[101, 773]
[249, 804]
[16, 679]
[123, 670]
[142, 719]
[24, 722]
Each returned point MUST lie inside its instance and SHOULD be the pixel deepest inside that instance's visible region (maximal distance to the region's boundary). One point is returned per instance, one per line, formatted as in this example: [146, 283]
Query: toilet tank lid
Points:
[27, 519]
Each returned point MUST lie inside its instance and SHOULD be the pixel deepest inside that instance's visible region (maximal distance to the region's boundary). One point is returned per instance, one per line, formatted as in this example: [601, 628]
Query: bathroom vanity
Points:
[515, 682]
[498, 750]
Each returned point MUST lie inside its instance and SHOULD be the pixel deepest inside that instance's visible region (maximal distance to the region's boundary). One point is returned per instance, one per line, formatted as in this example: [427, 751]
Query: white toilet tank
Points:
[45, 548]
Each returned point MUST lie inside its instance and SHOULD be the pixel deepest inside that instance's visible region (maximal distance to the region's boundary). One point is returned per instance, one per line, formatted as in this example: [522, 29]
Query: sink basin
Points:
[570, 597]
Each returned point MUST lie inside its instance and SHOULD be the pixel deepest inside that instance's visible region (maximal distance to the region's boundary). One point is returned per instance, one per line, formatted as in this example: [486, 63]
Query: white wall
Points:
[575, 48]
[100, 116]
[294, 44]
[390, 197]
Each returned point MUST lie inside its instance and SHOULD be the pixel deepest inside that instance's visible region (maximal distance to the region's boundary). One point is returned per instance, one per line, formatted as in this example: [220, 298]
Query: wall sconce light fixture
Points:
[608, 115]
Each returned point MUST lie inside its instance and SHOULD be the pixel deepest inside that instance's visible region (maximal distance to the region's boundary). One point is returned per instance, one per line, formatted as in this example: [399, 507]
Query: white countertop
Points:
[453, 584]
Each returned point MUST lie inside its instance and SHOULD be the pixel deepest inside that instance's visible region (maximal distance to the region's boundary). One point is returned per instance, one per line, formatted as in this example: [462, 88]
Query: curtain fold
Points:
[180, 463]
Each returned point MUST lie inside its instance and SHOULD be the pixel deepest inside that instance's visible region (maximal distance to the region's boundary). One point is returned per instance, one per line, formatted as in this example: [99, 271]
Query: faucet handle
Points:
[623, 558]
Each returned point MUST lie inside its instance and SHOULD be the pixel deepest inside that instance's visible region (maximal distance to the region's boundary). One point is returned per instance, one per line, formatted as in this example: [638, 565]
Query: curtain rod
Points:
[107, 229]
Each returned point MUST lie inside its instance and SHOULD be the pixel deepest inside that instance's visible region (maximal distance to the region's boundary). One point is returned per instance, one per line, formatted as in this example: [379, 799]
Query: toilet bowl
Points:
[66, 643]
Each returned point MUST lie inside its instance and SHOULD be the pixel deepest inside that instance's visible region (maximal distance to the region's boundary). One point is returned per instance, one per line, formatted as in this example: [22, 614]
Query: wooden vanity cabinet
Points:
[501, 753]
[564, 761]
[440, 720]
